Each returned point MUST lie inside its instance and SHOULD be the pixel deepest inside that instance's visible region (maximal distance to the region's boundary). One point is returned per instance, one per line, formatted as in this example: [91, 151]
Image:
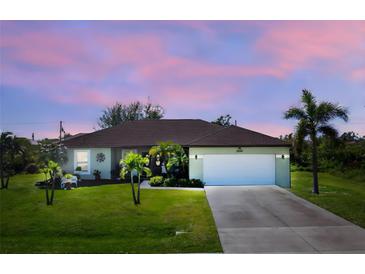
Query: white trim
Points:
[88, 160]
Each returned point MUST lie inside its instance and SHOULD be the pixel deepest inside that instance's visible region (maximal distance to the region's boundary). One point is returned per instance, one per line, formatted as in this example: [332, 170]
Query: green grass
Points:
[344, 197]
[104, 219]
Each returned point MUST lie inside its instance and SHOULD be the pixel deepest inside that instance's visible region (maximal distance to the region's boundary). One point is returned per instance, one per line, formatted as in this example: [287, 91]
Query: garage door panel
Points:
[243, 169]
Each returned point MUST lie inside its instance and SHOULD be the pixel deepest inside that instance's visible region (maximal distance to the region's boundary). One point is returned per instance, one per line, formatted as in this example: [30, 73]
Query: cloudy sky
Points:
[253, 70]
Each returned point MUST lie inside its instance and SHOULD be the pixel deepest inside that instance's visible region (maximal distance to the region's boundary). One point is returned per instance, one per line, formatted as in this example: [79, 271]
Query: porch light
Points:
[196, 157]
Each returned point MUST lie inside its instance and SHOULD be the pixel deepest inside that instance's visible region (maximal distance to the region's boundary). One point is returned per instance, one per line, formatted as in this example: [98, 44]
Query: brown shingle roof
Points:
[186, 132]
[237, 136]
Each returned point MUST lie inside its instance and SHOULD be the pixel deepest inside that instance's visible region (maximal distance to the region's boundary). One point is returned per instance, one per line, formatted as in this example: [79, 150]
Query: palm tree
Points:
[9, 148]
[53, 170]
[134, 162]
[314, 119]
[178, 159]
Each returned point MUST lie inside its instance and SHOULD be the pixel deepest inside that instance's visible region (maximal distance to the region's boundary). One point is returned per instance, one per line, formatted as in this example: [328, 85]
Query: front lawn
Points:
[104, 219]
[344, 197]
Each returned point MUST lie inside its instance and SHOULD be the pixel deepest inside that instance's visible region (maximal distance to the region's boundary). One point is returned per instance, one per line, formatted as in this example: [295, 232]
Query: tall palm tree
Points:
[314, 119]
[134, 162]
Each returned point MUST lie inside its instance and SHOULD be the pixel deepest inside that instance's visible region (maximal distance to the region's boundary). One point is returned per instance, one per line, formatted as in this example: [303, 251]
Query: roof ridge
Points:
[242, 128]
[209, 134]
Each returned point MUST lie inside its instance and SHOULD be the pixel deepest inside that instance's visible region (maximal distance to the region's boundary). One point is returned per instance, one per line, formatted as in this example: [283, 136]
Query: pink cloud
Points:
[193, 96]
[358, 74]
[45, 49]
[296, 45]
[79, 72]
[183, 68]
[69, 70]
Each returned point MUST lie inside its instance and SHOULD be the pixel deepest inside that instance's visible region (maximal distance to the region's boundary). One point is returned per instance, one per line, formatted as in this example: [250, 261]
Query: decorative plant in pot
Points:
[97, 174]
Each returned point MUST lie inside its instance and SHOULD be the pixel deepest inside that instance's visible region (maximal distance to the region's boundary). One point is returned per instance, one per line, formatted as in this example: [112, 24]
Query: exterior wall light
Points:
[282, 156]
[196, 157]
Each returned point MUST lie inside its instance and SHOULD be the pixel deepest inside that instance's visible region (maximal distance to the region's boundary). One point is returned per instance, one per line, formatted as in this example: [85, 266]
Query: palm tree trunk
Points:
[47, 196]
[139, 189]
[7, 182]
[133, 192]
[52, 193]
[1, 170]
[315, 163]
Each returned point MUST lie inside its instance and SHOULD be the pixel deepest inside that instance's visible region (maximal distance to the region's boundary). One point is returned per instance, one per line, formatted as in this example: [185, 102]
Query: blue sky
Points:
[253, 70]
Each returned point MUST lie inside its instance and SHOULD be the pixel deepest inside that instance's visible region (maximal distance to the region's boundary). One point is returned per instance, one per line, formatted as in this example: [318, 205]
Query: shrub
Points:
[170, 182]
[32, 168]
[68, 176]
[156, 181]
[196, 183]
[183, 182]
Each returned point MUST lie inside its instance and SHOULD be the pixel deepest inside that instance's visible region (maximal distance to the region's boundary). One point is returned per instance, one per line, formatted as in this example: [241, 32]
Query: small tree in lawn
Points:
[313, 120]
[52, 169]
[134, 162]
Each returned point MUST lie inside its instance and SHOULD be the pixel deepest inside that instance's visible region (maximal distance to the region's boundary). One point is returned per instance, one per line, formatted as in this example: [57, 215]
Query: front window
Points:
[82, 161]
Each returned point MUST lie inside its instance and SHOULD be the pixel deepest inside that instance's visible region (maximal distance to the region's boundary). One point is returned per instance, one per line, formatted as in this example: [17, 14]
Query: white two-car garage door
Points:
[241, 169]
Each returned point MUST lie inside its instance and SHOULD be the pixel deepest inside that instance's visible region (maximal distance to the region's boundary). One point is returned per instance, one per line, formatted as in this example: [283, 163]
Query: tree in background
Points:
[223, 120]
[119, 113]
[314, 119]
[134, 162]
[52, 150]
[9, 150]
[28, 155]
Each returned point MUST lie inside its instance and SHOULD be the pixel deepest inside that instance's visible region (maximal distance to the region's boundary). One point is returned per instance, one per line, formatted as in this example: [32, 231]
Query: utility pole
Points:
[61, 129]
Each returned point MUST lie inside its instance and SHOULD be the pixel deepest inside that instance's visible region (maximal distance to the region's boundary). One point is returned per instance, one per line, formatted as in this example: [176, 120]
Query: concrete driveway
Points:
[269, 219]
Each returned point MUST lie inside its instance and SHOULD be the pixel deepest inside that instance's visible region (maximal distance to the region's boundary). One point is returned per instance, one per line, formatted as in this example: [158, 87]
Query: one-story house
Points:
[218, 155]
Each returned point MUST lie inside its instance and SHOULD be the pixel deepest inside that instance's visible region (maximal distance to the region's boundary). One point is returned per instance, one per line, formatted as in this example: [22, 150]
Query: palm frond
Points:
[307, 97]
[302, 130]
[295, 113]
[147, 171]
[327, 111]
[309, 102]
[328, 131]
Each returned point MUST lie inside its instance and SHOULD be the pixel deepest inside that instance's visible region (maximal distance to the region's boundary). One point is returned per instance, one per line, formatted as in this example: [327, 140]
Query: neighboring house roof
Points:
[186, 132]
